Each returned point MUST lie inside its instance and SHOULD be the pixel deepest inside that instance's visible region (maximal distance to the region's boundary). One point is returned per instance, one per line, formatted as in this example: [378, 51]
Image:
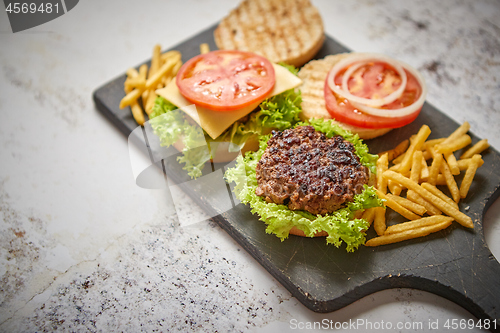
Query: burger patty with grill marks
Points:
[305, 170]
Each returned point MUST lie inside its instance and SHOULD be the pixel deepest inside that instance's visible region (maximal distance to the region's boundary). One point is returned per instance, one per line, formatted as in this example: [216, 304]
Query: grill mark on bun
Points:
[281, 30]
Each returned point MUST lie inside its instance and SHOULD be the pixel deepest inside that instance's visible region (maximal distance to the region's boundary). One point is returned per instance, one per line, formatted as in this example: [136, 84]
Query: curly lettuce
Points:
[340, 225]
[278, 112]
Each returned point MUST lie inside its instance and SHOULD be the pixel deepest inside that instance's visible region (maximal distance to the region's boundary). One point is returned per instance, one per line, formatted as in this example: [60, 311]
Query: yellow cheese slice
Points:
[216, 122]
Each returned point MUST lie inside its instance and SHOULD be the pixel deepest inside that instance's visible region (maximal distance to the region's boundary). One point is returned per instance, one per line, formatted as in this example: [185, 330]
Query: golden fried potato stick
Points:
[442, 205]
[407, 234]
[452, 163]
[469, 175]
[153, 81]
[424, 169]
[437, 192]
[435, 166]
[155, 61]
[130, 98]
[408, 204]
[416, 166]
[461, 130]
[389, 202]
[423, 222]
[458, 143]
[170, 54]
[416, 144]
[450, 181]
[379, 223]
[136, 82]
[368, 215]
[478, 148]
[204, 48]
[394, 187]
[137, 113]
[382, 164]
[431, 143]
[464, 164]
[430, 208]
[397, 151]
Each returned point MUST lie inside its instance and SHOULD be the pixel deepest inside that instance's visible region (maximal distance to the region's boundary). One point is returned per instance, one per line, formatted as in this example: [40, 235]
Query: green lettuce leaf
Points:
[278, 112]
[340, 225]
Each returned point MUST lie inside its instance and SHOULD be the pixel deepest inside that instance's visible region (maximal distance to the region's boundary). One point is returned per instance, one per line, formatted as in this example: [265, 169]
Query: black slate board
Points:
[455, 263]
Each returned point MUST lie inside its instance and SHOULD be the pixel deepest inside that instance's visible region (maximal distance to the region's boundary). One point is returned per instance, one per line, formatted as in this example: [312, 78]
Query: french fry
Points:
[397, 151]
[416, 166]
[461, 130]
[458, 143]
[423, 222]
[441, 180]
[368, 215]
[434, 168]
[437, 192]
[379, 220]
[170, 54]
[132, 72]
[137, 113]
[431, 143]
[394, 187]
[478, 148]
[130, 98]
[136, 82]
[153, 81]
[155, 61]
[408, 204]
[450, 181]
[416, 144]
[469, 175]
[464, 164]
[204, 48]
[407, 234]
[382, 164]
[424, 169]
[431, 209]
[452, 163]
[389, 202]
[445, 207]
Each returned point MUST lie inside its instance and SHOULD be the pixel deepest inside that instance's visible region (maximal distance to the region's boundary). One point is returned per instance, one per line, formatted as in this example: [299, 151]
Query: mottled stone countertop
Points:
[83, 248]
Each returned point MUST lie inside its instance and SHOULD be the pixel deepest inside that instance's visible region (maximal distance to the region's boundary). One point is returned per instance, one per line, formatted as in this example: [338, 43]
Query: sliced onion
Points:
[379, 101]
[364, 58]
[393, 113]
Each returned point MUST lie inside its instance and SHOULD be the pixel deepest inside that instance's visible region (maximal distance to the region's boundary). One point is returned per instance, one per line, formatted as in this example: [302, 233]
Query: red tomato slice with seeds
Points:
[341, 110]
[226, 80]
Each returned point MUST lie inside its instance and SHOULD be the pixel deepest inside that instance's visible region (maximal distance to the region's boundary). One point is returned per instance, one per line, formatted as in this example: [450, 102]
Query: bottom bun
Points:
[364, 133]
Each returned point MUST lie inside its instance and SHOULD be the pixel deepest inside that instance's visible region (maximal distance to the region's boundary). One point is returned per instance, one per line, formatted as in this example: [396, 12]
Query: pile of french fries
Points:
[410, 185]
[141, 84]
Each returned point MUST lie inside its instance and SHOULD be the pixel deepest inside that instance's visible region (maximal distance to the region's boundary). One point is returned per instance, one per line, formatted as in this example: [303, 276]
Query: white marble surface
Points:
[84, 248]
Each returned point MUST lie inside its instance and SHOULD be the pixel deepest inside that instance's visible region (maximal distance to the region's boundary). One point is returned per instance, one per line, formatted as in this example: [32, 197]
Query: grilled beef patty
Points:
[305, 170]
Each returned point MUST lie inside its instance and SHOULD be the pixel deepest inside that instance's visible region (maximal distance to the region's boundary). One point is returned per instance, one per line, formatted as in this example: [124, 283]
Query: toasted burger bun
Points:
[289, 31]
[313, 76]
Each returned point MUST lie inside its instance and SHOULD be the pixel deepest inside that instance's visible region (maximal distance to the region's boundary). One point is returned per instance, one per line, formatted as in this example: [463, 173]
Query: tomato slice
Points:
[226, 80]
[341, 110]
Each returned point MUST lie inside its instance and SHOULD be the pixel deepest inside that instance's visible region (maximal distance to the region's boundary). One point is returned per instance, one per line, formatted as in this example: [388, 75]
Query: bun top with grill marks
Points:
[289, 31]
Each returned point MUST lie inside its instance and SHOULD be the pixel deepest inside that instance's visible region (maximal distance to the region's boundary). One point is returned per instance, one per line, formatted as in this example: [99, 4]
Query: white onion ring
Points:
[393, 113]
[365, 57]
[363, 105]
[379, 101]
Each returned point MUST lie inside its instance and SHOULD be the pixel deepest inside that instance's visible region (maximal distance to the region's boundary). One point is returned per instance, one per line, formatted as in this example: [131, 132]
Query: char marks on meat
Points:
[305, 170]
